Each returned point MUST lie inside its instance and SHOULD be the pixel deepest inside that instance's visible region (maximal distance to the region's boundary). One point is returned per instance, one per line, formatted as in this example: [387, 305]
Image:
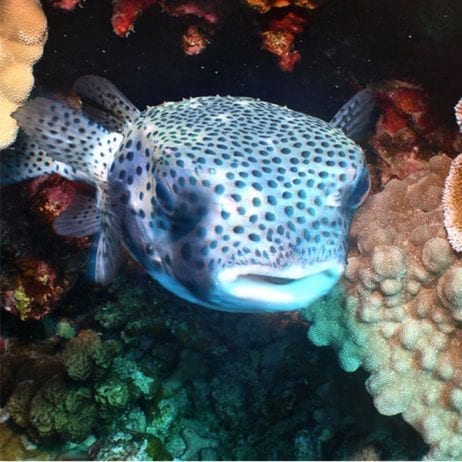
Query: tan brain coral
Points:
[398, 311]
[23, 32]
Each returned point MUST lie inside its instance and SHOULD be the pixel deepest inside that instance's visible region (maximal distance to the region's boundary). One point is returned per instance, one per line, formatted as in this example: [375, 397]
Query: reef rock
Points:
[398, 311]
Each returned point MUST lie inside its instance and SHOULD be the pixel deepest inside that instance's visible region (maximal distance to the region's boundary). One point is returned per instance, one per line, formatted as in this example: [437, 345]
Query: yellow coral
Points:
[400, 318]
[452, 204]
[23, 32]
[22, 302]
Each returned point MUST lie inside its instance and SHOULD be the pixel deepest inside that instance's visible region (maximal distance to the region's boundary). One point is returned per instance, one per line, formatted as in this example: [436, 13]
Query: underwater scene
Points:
[231, 230]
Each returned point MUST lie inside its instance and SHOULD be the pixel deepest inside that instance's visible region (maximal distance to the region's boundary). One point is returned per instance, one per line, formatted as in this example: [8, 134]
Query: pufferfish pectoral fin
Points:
[106, 249]
[80, 219]
[355, 115]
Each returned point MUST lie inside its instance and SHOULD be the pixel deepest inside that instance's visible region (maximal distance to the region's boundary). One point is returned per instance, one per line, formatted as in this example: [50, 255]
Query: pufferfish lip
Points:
[257, 289]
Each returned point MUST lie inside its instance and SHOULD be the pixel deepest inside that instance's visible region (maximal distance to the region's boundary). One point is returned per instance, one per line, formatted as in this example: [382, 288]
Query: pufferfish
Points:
[232, 203]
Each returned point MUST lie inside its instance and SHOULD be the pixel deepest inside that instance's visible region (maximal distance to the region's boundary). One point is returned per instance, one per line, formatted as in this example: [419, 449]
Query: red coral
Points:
[194, 41]
[278, 35]
[208, 11]
[49, 196]
[67, 5]
[279, 39]
[125, 13]
[408, 131]
[38, 267]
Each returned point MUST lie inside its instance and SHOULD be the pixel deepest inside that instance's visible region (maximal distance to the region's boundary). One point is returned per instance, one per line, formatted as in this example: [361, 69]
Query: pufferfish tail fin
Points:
[355, 116]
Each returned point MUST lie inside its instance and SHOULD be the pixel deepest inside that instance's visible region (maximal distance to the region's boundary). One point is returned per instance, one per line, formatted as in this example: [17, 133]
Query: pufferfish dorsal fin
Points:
[355, 115]
[104, 102]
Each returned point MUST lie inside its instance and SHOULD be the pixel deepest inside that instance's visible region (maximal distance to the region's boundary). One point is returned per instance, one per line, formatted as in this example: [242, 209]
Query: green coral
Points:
[42, 416]
[87, 356]
[112, 393]
[64, 409]
[65, 329]
[18, 403]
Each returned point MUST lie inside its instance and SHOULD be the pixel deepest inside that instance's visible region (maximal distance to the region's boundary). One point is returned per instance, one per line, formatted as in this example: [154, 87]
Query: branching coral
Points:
[401, 312]
[23, 32]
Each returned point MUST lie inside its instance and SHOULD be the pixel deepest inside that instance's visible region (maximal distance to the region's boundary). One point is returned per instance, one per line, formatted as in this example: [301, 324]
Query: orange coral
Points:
[452, 204]
[279, 39]
[263, 6]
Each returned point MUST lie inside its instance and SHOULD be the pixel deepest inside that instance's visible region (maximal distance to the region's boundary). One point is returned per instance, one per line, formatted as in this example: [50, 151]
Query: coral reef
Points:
[263, 6]
[399, 316]
[452, 195]
[279, 22]
[452, 204]
[126, 12]
[14, 446]
[458, 110]
[36, 272]
[23, 32]
[408, 132]
[52, 393]
[190, 384]
[87, 356]
[279, 36]
[126, 446]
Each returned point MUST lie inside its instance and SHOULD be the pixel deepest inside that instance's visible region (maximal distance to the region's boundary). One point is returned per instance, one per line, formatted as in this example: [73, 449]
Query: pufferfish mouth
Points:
[255, 289]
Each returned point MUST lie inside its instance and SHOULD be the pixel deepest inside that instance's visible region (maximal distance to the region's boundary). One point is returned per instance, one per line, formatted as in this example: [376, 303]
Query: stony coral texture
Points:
[398, 311]
[23, 32]
[452, 204]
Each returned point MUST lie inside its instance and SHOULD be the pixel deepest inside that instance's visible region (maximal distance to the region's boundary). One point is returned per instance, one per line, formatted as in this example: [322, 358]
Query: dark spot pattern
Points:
[243, 182]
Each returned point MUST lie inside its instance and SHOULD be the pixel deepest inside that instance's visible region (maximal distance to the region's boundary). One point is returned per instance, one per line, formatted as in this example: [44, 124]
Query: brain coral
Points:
[87, 356]
[398, 311]
[23, 32]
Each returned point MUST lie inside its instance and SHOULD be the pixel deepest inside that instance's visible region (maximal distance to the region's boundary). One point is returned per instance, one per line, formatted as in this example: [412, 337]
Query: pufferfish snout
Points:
[231, 203]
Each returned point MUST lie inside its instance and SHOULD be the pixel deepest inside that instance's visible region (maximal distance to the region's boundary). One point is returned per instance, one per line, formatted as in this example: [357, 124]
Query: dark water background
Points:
[348, 43]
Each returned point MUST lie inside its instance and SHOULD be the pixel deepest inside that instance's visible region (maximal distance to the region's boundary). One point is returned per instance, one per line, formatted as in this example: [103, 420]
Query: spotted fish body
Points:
[232, 203]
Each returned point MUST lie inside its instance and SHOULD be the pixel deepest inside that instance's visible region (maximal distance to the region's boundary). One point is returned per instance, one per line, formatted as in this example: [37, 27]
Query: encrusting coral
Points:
[398, 311]
[23, 32]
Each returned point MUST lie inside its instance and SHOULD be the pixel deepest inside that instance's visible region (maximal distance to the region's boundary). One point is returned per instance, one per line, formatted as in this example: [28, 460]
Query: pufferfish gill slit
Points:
[231, 203]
